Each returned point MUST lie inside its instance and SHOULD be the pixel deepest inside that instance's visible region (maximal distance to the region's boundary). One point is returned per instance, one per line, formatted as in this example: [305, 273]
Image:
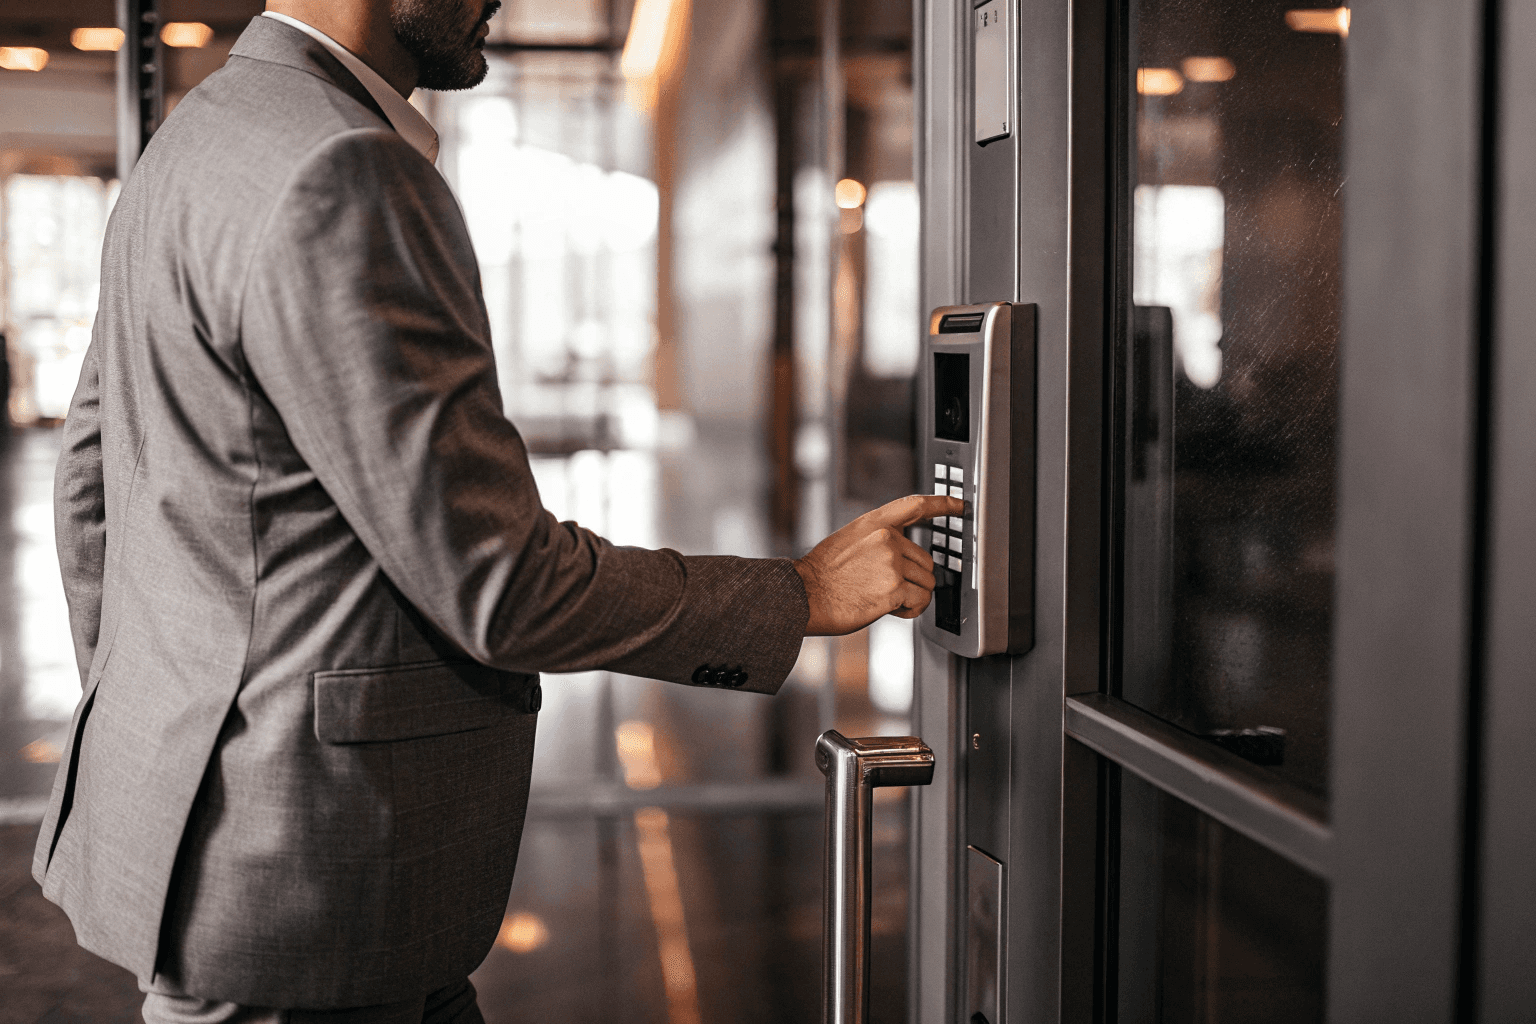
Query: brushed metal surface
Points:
[854, 768]
[992, 99]
[984, 948]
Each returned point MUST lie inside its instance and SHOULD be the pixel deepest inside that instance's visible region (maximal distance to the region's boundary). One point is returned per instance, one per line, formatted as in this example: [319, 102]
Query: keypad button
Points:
[940, 471]
[956, 474]
[957, 545]
[940, 489]
[955, 563]
[956, 523]
[954, 492]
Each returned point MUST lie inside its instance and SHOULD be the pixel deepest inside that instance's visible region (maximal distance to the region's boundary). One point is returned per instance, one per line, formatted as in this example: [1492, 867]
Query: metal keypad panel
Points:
[976, 417]
[951, 547]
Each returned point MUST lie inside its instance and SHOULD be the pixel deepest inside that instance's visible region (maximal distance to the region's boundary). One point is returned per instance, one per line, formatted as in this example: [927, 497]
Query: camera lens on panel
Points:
[951, 417]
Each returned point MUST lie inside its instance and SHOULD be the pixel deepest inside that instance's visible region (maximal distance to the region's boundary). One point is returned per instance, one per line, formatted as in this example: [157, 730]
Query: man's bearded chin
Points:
[446, 54]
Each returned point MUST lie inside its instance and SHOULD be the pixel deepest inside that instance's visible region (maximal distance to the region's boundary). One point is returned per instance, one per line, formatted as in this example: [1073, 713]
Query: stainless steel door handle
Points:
[853, 769]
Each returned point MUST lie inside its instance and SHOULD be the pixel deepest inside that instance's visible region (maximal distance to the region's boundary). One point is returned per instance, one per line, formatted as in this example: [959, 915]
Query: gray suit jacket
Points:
[309, 576]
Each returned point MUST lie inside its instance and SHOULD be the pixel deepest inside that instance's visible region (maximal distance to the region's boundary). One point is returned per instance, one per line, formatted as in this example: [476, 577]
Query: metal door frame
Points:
[1504, 893]
[1431, 790]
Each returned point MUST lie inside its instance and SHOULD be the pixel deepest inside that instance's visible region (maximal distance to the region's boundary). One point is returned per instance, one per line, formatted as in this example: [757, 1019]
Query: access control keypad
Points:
[949, 541]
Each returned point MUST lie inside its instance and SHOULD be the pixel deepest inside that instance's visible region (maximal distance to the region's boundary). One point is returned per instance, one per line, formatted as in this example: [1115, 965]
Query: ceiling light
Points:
[1330, 20]
[1158, 81]
[23, 58]
[96, 38]
[1208, 69]
[190, 34]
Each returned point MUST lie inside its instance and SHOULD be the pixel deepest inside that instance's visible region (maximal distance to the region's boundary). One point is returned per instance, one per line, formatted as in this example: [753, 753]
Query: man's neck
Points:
[363, 28]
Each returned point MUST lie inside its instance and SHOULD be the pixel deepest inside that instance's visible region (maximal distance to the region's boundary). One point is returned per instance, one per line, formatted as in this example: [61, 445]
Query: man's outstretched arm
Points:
[364, 326]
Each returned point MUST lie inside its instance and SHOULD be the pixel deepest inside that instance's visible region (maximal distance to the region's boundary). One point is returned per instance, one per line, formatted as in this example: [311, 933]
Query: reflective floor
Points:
[671, 866]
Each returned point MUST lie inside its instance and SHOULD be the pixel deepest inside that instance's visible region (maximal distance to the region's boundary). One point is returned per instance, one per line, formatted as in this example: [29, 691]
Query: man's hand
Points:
[869, 568]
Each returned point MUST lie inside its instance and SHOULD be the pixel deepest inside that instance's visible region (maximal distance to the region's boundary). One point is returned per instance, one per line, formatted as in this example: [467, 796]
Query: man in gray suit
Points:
[310, 581]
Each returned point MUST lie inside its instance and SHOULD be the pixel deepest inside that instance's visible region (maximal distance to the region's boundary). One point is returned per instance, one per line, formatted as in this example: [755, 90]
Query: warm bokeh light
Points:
[647, 38]
[1208, 69]
[96, 39]
[522, 933]
[849, 194]
[666, 898]
[637, 753]
[41, 752]
[1329, 20]
[1158, 81]
[23, 58]
[657, 31]
[187, 34]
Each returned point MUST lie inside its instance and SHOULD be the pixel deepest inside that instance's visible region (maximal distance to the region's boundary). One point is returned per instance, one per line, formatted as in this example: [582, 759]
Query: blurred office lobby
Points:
[697, 231]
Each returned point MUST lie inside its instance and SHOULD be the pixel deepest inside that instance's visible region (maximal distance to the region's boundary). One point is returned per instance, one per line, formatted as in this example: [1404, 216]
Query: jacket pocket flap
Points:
[374, 705]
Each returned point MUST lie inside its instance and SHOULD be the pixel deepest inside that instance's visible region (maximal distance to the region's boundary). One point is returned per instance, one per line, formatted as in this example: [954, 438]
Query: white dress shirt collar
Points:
[405, 119]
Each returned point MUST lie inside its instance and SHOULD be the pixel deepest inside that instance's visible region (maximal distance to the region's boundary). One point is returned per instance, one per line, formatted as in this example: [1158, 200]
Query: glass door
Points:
[1224, 357]
[1241, 776]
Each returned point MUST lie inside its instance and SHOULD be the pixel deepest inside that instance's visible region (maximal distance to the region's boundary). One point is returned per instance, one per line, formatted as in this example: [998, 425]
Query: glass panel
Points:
[1213, 927]
[1230, 374]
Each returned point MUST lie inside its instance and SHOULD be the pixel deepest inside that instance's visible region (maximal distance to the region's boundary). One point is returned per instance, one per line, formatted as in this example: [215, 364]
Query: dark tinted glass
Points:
[1231, 351]
[952, 396]
[1213, 928]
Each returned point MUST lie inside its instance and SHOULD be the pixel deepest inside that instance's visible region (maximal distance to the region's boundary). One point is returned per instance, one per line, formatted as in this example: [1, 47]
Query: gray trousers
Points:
[452, 1004]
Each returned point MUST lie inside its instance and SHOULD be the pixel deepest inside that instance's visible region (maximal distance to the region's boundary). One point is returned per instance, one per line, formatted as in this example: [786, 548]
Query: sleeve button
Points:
[702, 675]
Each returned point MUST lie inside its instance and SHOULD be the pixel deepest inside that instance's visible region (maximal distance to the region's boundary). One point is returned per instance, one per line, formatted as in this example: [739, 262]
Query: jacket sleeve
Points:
[80, 514]
[363, 324]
